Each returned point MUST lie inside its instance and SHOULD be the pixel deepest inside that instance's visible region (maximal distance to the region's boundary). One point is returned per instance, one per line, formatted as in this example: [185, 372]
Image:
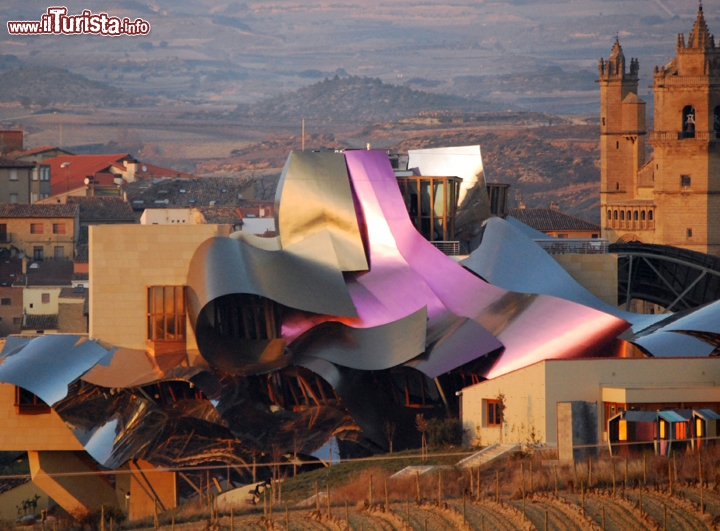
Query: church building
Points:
[673, 198]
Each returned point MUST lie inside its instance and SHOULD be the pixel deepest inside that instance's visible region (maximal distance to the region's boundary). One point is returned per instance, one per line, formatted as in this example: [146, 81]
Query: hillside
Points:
[48, 86]
[356, 100]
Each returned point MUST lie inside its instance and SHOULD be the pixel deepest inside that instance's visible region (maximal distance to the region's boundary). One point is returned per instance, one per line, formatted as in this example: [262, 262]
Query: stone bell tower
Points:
[686, 144]
[622, 140]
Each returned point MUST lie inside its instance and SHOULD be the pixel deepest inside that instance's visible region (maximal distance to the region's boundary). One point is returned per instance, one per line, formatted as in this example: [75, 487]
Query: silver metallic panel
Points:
[306, 277]
[47, 365]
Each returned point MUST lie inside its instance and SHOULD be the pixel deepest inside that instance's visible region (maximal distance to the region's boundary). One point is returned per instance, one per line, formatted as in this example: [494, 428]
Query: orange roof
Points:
[150, 171]
[32, 151]
[79, 167]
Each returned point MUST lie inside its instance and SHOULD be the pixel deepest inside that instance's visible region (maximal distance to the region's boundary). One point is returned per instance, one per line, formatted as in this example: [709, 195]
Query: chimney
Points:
[24, 265]
[554, 206]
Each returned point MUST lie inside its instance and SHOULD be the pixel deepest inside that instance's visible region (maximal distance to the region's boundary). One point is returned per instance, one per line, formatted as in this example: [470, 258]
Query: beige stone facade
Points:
[124, 261]
[597, 273]
[672, 198]
[532, 393]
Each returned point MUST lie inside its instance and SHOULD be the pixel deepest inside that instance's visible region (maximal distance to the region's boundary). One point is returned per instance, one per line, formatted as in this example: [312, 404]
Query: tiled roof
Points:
[50, 273]
[10, 270]
[73, 293]
[10, 163]
[150, 171]
[80, 276]
[549, 219]
[105, 209]
[81, 254]
[78, 168]
[37, 210]
[221, 215]
[39, 322]
[34, 151]
[186, 193]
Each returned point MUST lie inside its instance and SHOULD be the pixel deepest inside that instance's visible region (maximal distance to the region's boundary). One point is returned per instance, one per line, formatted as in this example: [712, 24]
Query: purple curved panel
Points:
[530, 327]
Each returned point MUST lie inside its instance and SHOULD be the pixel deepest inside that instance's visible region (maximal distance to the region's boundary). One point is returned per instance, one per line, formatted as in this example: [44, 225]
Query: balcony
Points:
[448, 247]
[574, 245]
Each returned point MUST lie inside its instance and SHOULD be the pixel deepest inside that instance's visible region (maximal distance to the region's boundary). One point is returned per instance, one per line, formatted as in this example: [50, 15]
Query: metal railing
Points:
[574, 245]
[447, 247]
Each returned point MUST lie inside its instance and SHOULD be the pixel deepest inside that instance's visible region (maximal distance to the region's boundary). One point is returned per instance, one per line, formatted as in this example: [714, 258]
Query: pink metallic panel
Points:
[531, 327]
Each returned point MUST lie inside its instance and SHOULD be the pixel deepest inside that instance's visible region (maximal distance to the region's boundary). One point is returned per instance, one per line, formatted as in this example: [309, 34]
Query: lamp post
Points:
[66, 165]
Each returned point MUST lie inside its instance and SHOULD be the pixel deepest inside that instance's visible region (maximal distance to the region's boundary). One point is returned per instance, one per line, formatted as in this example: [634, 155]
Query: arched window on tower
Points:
[635, 215]
[615, 215]
[642, 215]
[650, 215]
[629, 215]
[609, 216]
[716, 121]
[688, 123]
[622, 215]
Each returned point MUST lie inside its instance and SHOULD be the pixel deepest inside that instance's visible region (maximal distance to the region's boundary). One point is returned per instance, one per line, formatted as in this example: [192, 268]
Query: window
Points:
[44, 173]
[59, 252]
[609, 214]
[622, 215]
[38, 254]
[650, 215]
[36, 228]
[58, 228]
[13, 198]
[34, 175]
[617, 186]
[617, 145]
[642, 215]
[494, 415]
[5, 301]
[166, 313]
[684, 181]
[34, 197]
[689, 233]
[45, 298]
[16, 320]
[562, 235]
[26, 403]
[13, 175]
[629, 215]
[595, 236]
[615, 214]
[635, 215]
[688, 123]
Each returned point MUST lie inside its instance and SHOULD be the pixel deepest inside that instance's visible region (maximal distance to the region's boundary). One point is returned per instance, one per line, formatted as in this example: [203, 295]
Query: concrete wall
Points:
[33, 304]
[12, 499]
[597, 273]
[167, 216]
[19, 433]
[15, 181]
[11, 312]
[124, 261]
[524, 392]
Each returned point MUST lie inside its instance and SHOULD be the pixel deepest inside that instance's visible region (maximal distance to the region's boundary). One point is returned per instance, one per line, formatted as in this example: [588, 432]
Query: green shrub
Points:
[445, 432]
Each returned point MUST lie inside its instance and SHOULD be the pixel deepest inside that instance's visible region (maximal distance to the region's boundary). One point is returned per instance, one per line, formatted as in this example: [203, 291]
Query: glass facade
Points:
[431, 203]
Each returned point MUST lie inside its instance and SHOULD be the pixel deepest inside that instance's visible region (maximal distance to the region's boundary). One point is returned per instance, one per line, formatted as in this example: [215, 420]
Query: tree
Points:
[500, 412]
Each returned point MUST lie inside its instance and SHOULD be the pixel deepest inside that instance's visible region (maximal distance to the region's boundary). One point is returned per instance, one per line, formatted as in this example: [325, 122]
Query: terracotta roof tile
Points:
[103, 209]
[37, 210]
[39, 322]
[549, 219]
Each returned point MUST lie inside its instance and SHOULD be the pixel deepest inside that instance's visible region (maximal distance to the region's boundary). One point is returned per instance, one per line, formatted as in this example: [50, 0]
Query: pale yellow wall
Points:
[20, 236]
[31, 432]
[33, 295]
[533, 392]
[524, 392]
[597, 273]
[584, 379]
[126, 259]
[11, 499]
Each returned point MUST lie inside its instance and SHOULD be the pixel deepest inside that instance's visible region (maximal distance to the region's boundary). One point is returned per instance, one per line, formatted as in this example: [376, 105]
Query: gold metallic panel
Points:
[314, 195]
